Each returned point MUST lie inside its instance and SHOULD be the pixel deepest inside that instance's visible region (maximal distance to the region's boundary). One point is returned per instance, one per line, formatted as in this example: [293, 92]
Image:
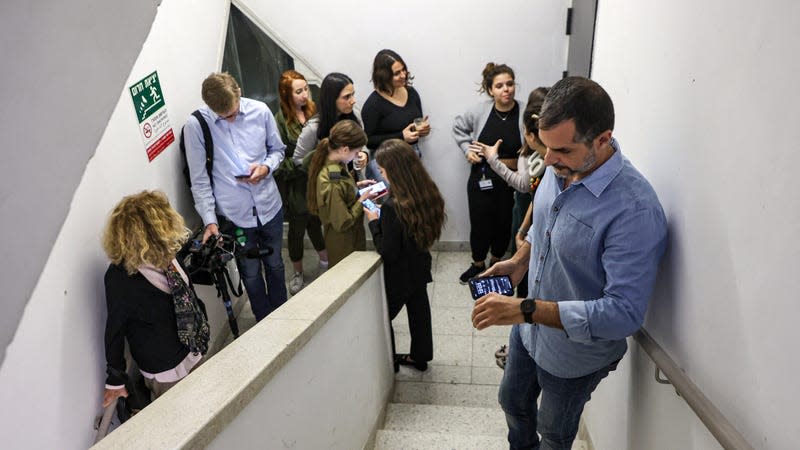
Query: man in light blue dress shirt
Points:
[592, 253]
[247, 151]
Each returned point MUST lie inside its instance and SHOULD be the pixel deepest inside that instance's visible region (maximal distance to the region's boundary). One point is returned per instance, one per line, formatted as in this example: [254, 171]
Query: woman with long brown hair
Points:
[297, 108]
[410, 221]
[333, 190]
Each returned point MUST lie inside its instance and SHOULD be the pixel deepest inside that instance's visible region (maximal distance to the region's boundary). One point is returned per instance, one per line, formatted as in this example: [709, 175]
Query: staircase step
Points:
[445, 419]
[409, 440]
[445, 394]
[412, 440]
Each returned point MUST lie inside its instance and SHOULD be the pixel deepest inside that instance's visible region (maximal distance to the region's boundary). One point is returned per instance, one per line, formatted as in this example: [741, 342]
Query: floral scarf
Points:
[193, 330]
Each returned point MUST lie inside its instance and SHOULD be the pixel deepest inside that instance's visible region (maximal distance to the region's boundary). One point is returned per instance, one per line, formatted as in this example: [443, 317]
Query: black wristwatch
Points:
[528, 307]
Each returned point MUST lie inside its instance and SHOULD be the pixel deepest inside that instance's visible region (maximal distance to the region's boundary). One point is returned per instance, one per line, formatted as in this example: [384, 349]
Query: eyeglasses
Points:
[230, 116]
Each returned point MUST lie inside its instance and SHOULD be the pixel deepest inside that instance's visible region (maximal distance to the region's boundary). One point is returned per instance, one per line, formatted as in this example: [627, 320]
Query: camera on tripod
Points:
[202, 260]
[207, 263]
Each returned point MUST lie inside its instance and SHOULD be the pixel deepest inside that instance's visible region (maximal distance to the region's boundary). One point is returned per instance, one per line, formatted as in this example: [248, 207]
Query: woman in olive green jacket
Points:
[296, 107]
[333, 191]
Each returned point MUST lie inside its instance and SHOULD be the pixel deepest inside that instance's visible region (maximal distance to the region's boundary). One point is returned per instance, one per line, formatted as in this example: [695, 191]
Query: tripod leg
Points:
[222, 288]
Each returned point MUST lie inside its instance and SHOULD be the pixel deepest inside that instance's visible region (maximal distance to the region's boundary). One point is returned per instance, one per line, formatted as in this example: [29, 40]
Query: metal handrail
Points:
[713, 419]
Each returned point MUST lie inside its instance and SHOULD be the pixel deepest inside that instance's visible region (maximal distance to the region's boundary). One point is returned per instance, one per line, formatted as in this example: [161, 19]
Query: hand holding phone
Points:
[371, 207]
[378, 189]
[481, 286]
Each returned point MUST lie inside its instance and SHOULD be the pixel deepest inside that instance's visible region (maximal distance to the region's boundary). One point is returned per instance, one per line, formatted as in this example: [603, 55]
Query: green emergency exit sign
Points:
[147, 96]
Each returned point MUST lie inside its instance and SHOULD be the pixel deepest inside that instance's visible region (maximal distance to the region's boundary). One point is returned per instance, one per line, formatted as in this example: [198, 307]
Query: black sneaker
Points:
[470, 273]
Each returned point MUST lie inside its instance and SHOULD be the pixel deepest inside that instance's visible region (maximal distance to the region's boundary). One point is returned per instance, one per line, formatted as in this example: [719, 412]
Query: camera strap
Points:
[237, 291]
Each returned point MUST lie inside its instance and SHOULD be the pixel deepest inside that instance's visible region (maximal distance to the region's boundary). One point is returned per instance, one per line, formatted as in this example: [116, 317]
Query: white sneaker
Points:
[323, 265]
[296, 283]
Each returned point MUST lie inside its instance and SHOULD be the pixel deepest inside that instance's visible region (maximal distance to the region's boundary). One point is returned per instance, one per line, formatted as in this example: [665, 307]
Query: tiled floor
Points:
[461, 354]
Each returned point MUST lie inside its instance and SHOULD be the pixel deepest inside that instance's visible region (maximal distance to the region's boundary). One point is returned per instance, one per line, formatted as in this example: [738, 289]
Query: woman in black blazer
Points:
[150, 299]
[403, 232]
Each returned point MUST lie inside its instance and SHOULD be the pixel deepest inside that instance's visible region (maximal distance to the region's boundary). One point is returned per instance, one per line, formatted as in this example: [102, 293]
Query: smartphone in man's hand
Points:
[481, 286]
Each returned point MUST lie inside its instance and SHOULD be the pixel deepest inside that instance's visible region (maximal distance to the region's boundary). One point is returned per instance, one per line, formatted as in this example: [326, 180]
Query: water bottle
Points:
[240, 236]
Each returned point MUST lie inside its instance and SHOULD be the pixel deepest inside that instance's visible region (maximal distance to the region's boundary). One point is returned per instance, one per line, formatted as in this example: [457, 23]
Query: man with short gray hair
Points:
[597, 235]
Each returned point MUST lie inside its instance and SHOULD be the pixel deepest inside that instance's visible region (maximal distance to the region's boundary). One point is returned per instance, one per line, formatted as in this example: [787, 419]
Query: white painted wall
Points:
[445, 43]
[52, 377]
[51, 63]
[706, 102]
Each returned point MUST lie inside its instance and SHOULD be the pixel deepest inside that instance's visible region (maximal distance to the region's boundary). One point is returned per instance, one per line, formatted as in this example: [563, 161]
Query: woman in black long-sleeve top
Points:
[390, 111]
[409, 222]
[150, 300]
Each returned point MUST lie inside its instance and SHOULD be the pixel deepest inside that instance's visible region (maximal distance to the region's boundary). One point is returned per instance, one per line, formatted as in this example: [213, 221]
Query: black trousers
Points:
[298, 225]
[489, 217]
[419, 321]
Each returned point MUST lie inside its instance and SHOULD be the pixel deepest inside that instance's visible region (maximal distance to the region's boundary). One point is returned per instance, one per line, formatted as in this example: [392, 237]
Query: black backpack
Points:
[209, 143]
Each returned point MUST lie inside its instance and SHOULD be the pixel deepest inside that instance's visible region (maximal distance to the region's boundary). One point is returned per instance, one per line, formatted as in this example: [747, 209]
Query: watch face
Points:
[527, 306]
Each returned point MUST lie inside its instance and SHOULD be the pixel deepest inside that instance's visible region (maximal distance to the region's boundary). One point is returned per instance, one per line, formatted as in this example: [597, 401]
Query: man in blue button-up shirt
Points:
[597, 235]
[247, 150]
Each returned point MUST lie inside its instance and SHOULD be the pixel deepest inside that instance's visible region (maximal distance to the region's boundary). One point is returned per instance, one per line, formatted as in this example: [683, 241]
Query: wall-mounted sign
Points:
[148, 101]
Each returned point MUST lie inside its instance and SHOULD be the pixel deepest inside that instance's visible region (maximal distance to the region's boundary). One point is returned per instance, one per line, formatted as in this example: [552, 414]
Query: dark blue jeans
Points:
[263, 299]
[561, 405]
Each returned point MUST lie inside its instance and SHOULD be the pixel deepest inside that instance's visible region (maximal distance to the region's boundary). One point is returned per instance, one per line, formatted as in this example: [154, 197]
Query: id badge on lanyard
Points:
[484, 183]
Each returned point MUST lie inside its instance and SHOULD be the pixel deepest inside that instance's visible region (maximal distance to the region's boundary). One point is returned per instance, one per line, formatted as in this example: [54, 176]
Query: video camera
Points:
[207, 264]
[202, 260]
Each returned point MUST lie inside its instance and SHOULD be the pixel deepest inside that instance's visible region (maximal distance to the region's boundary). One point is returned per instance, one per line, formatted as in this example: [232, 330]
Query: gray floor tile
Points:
[410, 374]
[452, 350]
[449, 266]
[311, 269]
[494, 331]
[443, 321]
[446, 419]
[448, 350]
[447, 374]
[451, 295]
[413, 440]
[436, 374]
[434, 257]
[487, 375]
[483, 349]
[445, 394]
[402, 340]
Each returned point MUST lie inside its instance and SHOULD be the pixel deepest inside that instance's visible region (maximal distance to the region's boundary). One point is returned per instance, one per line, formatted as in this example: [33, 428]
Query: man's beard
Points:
[588, 163]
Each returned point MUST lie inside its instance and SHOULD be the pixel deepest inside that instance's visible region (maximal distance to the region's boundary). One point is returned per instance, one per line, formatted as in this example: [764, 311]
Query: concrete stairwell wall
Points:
[706, 99]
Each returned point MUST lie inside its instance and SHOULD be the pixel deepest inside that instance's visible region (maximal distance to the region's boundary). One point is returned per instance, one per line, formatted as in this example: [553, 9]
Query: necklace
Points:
[301, 117]
[500, 116]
